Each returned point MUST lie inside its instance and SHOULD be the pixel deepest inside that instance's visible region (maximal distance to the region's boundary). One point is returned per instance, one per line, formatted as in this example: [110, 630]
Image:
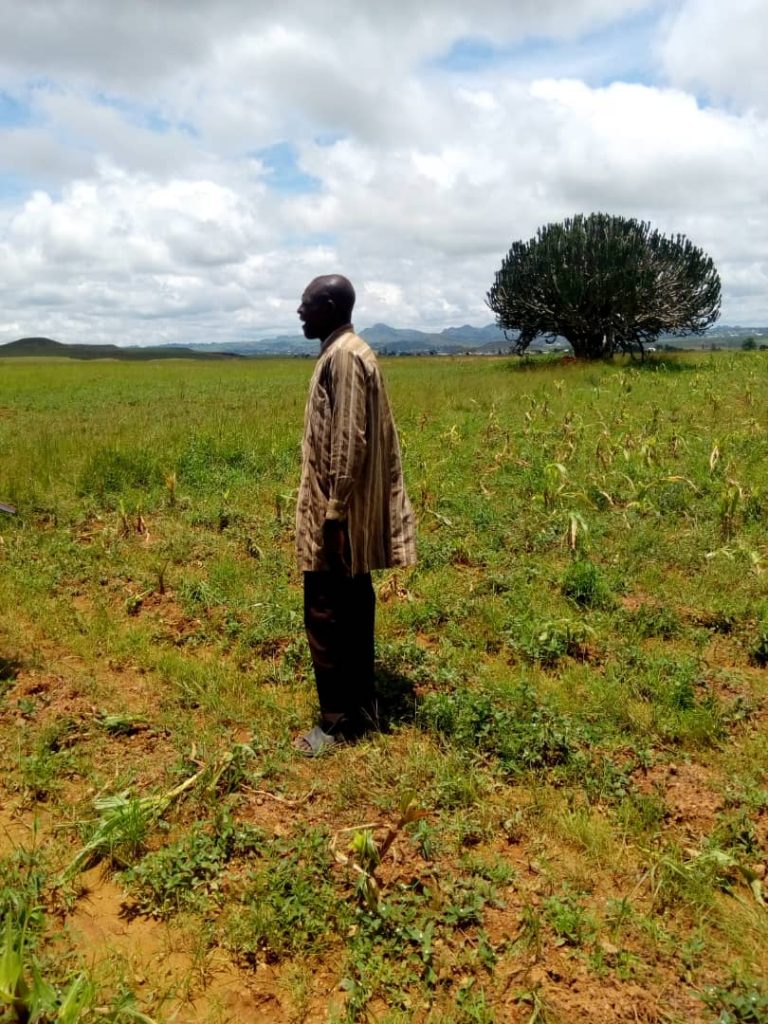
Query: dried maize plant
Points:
[366, 854]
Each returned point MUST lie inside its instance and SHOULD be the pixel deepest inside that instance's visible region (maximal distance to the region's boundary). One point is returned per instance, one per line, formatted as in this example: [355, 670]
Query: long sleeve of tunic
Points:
[351, 466]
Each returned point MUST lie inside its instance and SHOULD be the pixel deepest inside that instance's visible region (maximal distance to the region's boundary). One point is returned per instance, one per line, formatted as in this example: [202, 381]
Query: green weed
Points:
[547, 641]
[585, 584]
[655, 620]
[26, 994]
[24, 875]
[289, 903]
[111, 471]
[692, 878]
[568, 919]
[124, 821]
[184, 874]
[758, 649]
[738, 1002]
[52, 759]
[522, 733]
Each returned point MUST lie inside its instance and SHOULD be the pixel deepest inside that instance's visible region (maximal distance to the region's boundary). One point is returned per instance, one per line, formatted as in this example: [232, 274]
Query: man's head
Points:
[326, 304]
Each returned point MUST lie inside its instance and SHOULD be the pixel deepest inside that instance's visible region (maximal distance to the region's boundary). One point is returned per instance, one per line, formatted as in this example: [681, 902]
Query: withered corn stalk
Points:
[122, 813]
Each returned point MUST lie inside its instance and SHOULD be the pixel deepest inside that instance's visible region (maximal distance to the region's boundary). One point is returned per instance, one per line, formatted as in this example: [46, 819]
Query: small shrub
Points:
[546, 642]
[522, 732]
[655, 620]
[584, 583]
[758, 651]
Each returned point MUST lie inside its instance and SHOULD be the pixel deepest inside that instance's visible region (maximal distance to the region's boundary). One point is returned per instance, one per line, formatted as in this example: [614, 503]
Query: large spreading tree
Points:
[606, 284]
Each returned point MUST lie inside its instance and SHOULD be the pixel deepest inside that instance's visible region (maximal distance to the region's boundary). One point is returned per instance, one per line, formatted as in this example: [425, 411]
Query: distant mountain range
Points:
[49, 348]
[385, 340]
[382, 338]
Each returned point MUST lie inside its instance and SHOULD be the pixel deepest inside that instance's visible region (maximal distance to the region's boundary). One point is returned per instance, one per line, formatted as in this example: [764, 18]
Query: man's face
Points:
[315, 312]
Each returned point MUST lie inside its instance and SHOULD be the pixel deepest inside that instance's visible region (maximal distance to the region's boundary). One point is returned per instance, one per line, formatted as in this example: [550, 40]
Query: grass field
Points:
[564, 817]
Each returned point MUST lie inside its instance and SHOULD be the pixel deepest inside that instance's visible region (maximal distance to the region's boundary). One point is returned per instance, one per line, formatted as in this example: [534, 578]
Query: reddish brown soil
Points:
[690, 794]
[166, 966]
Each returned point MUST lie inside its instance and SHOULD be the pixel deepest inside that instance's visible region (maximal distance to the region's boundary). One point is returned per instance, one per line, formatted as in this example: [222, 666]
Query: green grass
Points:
[572, 682]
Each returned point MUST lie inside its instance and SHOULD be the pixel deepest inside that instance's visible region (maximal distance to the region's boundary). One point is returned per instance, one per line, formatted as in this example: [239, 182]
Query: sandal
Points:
[316, 743]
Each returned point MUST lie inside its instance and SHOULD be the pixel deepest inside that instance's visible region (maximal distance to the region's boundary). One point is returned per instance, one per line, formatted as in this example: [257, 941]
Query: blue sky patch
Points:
[470, 54]
[622, 51]
[284, 174]
[13, 111]
[328, 139]
[149, 118]
[13, 188]
[310, 239]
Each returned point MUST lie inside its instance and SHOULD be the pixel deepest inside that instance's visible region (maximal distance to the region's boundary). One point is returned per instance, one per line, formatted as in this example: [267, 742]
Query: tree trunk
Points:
[590, 346]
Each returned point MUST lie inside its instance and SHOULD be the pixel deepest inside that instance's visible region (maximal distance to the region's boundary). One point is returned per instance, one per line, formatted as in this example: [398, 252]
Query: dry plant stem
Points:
[410, 812]
[155, 807]
[281, 799]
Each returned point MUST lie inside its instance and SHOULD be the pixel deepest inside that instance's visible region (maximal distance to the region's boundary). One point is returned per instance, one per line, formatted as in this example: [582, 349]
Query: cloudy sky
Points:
[177, 170]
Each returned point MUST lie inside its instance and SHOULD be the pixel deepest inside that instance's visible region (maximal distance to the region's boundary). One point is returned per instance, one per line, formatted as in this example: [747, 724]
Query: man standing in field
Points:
[353, 514]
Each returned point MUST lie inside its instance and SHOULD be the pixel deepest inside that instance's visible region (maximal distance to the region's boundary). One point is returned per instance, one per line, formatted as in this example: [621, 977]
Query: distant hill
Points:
[48, 347]
[724, 336]
[383, 339]
[488, 340]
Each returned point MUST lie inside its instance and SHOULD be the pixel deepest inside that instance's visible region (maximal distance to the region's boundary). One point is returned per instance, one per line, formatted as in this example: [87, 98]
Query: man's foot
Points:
[316, 742]
[343, 727]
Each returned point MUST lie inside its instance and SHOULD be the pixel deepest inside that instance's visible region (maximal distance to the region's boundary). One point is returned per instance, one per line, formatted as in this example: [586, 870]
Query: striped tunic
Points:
[351, 462]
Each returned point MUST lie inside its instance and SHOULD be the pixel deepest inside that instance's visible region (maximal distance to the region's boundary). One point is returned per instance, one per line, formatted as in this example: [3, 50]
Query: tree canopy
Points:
[606, 284]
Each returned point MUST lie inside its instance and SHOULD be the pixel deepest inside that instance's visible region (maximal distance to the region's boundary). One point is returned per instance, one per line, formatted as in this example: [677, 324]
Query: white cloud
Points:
[720, 50]
[149, 217]
[120, 223]
[131, 247]
[32, 153]
[141, 43]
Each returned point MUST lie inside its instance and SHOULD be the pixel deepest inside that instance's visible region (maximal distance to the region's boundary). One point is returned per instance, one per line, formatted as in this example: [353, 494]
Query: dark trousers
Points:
[339, 613]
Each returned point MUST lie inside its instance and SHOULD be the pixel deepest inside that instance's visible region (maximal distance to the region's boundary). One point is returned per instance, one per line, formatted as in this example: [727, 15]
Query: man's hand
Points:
[336, 545]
